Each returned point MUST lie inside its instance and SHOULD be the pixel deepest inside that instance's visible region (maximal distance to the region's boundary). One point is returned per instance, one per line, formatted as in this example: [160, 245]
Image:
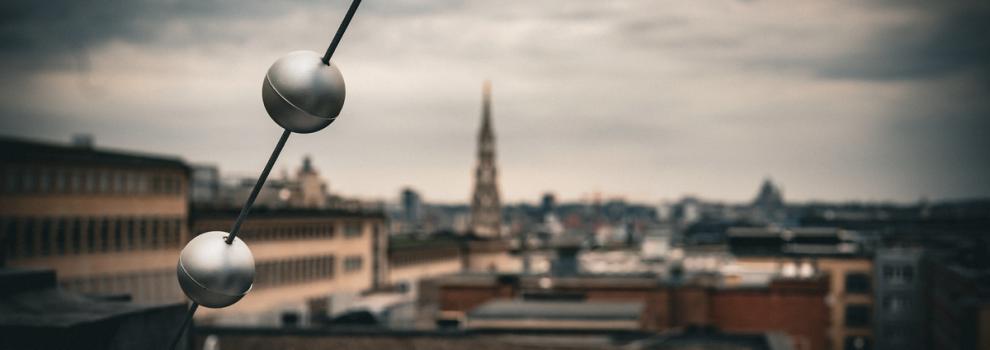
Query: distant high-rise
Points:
[311, 191]
[486, 210]
[412, 207]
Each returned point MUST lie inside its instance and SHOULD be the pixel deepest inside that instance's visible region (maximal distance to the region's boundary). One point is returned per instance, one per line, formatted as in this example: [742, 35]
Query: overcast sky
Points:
[649, 100]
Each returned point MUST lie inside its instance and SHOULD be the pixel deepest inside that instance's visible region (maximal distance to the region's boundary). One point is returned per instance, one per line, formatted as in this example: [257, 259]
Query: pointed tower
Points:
[486, 209]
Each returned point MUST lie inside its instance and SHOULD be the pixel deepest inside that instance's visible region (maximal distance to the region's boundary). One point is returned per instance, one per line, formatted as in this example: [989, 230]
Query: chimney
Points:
[566, 262]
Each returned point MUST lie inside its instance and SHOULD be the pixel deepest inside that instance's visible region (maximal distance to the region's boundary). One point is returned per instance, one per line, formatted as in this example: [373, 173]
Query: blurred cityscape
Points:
[700, 175]
[90, 238]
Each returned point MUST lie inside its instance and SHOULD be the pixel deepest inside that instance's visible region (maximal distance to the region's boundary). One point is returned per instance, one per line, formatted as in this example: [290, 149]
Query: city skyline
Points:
[839, 101]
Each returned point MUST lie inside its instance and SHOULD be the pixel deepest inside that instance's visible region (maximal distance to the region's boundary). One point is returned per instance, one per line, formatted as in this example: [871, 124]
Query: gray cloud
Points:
[836, 100]
[951, 41]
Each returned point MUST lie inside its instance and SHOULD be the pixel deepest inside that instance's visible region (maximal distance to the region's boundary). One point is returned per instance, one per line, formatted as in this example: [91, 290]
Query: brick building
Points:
[795, 307]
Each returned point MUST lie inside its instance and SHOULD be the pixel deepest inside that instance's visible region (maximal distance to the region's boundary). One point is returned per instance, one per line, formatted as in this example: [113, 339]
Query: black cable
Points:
[340, 31]
[257, 186]
[268, 167]
[189, 316]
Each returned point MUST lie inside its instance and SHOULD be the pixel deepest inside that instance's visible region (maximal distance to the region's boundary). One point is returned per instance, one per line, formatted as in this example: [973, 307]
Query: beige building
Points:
[309, 262]
[413, 259]
[106, 221]
[310, 190]
[114, 222]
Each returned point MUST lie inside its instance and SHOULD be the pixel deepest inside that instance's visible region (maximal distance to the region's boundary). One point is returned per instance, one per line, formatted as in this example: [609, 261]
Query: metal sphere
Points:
[301, 93]
[213, 273]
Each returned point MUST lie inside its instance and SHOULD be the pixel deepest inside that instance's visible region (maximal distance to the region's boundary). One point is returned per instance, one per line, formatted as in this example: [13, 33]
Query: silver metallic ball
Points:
[301, 93]
[213, 273]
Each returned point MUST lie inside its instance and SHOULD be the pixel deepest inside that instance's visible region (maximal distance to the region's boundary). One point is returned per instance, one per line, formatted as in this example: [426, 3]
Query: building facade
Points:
[105, 221]
[309, 262]
[900, 301]
[798, 305]
[809, 251]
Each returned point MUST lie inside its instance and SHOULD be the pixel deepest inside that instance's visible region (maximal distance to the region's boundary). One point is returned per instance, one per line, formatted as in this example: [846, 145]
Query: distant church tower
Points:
[486, 209]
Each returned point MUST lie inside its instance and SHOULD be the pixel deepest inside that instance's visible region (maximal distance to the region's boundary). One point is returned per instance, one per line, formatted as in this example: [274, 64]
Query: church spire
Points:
[486, 211]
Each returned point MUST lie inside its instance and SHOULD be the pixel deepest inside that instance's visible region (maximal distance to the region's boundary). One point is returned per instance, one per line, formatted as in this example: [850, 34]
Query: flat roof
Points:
[15, 150]
[42, 305]
[557, 310]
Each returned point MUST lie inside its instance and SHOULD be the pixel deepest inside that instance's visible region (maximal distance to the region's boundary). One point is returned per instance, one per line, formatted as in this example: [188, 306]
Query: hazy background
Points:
[836, 100]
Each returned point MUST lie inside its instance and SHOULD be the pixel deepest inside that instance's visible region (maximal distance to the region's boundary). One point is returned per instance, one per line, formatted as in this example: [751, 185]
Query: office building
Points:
[105, 221]
[309, 262]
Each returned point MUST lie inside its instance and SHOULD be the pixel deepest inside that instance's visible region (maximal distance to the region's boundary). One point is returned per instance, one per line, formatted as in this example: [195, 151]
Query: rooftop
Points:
[557, 310]
[23, 151]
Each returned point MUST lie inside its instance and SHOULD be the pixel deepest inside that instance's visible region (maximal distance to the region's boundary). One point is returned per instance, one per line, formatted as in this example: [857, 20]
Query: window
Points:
[131, 234]
[46, 233]
[329, 266]
[153, 233]
[352, 229]
[895, 304]
[61, 179]
[11, 181]
[44, 180]
[105, 235]
[141, 183]
[133, 183]
[27, 232]
[857, 315]
[121, 183]
[104, 182]
[77, 182]
[353, 263]
[28, 181]
[76, 234]
[90, 182]
[61, 231]
[898, 273]
[857, 343]
[91, 236]
[118, 235]
[10, 231]
[858, 283]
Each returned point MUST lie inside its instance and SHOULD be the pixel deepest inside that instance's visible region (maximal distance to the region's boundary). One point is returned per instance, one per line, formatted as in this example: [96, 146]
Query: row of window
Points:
[404, 258]
[898, 274]
[158, 286]
[42, 180]
[895, 304]
[161, 286]
[46, 236]
[294, 270]
[261, 231]
[353, 263]
[353, 229]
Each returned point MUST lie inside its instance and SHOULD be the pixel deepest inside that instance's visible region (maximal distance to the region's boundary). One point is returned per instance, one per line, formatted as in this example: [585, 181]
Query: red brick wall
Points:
[793, 307]
[466, 298]
[800, 313]
[691, 307]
